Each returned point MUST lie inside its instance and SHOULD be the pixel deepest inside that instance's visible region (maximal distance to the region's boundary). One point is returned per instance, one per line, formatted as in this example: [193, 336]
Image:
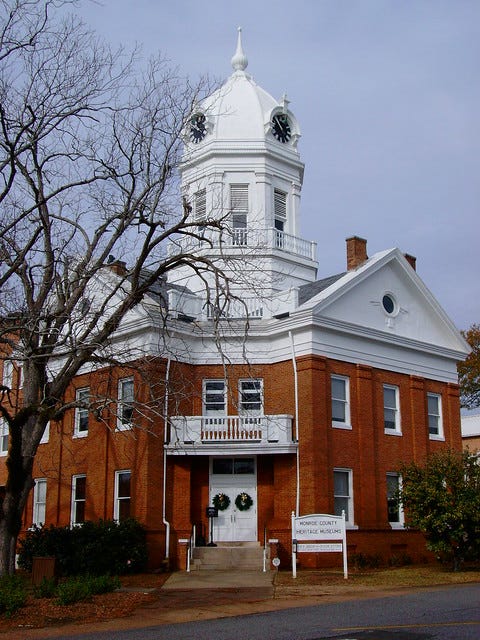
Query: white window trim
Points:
[46, 434]
[348, 422]
[350, 522]
[4, 431]
[401, 515]
[37, 505]
[75, 500]
[440, 435]
[397, 430]
[247, 412]
[204, 397]
[123, 426]
[7, 374]
[76, 428]
[117, 499]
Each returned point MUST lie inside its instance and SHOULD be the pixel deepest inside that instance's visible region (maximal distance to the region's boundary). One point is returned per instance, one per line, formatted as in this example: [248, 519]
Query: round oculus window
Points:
[388, 303]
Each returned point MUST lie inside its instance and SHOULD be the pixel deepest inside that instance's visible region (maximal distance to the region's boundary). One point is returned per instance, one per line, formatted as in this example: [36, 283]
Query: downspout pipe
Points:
[295, 380]
[165, 440]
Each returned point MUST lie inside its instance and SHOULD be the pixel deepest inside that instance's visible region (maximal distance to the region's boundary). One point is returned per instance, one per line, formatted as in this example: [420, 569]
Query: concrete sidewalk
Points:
[221, 580]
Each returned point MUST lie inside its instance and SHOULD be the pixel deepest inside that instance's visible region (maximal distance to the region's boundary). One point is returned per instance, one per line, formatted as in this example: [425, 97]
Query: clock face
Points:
[198, 129]
[281, 127]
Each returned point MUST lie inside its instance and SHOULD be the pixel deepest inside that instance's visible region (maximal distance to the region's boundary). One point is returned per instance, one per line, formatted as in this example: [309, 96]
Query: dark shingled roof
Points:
[308, 291]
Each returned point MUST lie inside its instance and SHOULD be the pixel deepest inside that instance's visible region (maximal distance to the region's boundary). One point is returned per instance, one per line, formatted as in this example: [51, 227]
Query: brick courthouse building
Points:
[336, 382]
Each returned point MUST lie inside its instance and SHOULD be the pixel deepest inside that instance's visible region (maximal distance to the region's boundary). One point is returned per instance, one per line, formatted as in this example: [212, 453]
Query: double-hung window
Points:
[7, 376]
[435, 422]
[82, 398]
[250, 397]
[121, 508]
[340, 402]
[395, 512]
[214, 398]
[125, 404]
[39, 501]
[343, 494]
[79, 494]
[391, 409]
[3, 437]
[239, 209]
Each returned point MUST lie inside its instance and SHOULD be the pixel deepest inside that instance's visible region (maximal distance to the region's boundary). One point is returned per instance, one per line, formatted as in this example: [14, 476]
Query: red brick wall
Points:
[365, 449]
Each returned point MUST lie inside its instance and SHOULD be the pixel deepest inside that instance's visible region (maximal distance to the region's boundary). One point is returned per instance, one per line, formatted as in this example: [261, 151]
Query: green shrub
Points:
[93, 548]
[46, 589]
[365, 561]
[13, 594]
[78, 589]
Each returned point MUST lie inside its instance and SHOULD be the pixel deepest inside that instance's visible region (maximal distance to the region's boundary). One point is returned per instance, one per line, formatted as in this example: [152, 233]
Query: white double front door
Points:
[232, 477]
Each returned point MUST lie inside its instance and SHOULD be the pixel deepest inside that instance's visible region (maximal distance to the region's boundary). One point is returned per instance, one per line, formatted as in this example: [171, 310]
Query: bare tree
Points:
[89, 151]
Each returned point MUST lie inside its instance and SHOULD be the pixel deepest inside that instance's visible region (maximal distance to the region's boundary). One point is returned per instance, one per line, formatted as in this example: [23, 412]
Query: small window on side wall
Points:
[340, 389]
[343, 494]
[435, 421]
[79, 494]
[391, 409]
[395, 512]
[39, 501]
[125, 404]
[82, 397]
[121, 509]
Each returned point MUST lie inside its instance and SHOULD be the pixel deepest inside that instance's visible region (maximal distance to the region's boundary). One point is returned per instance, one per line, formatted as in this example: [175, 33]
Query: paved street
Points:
[447, 613]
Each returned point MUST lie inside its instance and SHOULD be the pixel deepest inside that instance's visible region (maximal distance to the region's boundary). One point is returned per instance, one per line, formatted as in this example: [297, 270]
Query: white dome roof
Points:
[241, 109]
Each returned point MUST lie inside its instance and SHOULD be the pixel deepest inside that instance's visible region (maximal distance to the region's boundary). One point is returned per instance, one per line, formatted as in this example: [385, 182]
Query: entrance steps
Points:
[246, 556]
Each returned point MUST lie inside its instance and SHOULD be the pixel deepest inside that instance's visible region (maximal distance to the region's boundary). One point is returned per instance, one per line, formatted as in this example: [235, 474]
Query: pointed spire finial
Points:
[239, 60]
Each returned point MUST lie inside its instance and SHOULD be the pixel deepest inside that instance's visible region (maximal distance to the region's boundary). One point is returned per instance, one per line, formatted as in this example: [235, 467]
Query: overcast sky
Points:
[387, 94]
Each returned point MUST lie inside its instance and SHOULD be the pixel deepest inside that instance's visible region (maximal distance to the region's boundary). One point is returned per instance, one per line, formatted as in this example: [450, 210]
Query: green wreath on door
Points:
[243, 501]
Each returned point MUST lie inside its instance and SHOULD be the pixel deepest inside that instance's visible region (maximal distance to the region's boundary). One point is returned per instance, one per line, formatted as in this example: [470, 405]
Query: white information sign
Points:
[319, 548]
[310, 532]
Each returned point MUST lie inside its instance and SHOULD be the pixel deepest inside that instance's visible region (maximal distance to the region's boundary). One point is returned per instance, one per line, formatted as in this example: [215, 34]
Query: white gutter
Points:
[295, 378]
[165, 434]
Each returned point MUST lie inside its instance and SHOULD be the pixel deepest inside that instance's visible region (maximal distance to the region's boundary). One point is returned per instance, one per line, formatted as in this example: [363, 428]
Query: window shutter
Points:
[239, 198]
[200, 203]
[280, 204]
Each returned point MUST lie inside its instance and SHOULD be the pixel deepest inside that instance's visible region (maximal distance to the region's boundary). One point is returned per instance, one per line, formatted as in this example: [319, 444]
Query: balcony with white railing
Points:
[206, 435]
[264, 239]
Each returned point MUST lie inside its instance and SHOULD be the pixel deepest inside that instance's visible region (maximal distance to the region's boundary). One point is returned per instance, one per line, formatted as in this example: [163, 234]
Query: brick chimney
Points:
[356, 252]
[411, 260]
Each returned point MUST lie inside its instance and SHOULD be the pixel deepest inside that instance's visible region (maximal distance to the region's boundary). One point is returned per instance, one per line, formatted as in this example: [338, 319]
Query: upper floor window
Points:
[7, 375]
[82, 397]
[200, 207]
[343, 494]
[46, 434]
[340, 401]
[250, 397]
[395, 512]
[125, 403]
[121, 508]
[239, 209]
[3, 437]
[391, 409]
[214, 397]
[39, 501]
[435, 422]
[79, 494]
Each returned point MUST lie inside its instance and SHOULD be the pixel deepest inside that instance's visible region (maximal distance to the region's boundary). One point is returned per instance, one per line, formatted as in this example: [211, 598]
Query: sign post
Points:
[316, 533]
[211, 512]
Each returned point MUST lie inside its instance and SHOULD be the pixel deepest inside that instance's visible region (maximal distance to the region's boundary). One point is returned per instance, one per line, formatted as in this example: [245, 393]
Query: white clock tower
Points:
[241, 168]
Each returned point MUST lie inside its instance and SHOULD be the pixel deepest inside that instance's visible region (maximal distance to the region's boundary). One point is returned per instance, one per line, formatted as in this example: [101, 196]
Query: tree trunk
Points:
[11, 517]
